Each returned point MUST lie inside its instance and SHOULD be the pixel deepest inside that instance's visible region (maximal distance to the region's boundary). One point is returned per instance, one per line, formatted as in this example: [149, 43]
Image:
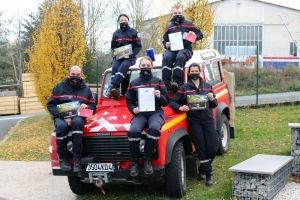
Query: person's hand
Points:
[126, 57]
[157, 93]
[68, 121]
[210, 96]
[168, 44]
[192, 32]
[184, 108]
[115, 53]
[83, 106]
[136, 110]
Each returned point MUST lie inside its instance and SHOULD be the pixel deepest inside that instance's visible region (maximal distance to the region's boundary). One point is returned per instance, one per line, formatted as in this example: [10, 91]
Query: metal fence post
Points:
[97, 77]
[256, 74]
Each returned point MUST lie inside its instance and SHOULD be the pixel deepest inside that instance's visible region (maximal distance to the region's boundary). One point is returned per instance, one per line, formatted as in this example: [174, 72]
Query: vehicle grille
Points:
[106, 148]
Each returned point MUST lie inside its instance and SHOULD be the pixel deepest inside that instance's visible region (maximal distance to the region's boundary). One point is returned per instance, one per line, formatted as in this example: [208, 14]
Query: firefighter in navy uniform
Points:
[71, 89]
[154, 120]
[121, 37]
[179, 58]
[201, 125]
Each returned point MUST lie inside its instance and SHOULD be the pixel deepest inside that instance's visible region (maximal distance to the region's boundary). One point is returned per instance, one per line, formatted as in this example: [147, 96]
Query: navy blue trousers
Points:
[205, 140]
[180, 58]
[119, 70]
[62, 130]
[154, 121]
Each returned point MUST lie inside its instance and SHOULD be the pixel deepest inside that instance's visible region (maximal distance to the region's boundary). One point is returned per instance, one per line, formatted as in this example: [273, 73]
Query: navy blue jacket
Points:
[128, 36]
[184, 26]
[146, 82]
[198, 116]
[64, 92]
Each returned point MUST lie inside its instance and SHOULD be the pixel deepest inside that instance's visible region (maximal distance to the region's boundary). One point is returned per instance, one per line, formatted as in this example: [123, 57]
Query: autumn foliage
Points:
[58, 44]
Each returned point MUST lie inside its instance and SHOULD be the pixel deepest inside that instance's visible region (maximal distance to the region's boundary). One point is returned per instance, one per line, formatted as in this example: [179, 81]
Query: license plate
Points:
[103, 167]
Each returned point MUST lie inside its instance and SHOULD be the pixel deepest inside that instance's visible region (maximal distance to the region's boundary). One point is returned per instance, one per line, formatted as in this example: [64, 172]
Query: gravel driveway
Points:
[20, 180]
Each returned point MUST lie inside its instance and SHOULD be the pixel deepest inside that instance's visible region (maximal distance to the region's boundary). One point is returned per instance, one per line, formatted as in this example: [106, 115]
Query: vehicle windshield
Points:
[131, 75]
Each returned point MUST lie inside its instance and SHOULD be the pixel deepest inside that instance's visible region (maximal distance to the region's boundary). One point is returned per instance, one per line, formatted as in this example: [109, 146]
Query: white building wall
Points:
[276, 38]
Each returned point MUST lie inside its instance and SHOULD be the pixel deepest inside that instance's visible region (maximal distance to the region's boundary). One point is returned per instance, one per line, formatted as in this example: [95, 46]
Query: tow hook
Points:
[99, 184]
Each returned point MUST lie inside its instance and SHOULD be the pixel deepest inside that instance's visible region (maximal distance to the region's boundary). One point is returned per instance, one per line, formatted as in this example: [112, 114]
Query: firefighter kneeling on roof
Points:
[154, 120]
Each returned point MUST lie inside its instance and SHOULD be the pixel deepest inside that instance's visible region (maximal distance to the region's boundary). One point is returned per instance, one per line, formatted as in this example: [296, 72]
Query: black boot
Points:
[77, 162]
[176, 85]
[134, 170]
[147, 164]
[64, 163]
[115, 93]
[209, 179]
[167, 84]
[201, 173]
[109, 89]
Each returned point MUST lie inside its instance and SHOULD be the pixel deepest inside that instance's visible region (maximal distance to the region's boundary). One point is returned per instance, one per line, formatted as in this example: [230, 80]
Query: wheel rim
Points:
[224, 135]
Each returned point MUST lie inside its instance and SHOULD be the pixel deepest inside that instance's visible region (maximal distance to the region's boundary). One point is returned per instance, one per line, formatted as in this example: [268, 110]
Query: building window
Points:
[238, 39]
[293, 49]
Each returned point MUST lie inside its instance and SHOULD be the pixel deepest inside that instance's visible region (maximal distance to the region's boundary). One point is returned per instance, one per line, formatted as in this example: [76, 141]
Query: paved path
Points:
[267, 98]
[20, 180]
[8, 122]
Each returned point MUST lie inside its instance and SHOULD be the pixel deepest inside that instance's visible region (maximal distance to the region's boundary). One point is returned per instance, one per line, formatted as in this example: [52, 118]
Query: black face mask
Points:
[194, 76]
[178, 18]
[146, 71]
[123, 25]
[75, 80]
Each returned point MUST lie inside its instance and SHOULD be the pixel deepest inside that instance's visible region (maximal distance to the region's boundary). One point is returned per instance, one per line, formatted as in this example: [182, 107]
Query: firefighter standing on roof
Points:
[200, 119]
[121, 37]
[154, 120]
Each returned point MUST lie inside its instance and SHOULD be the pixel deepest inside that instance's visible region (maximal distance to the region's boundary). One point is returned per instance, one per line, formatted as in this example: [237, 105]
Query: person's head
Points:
[194, 71]
[123, 20]
[146, 66]
[177, 14]
[75, 75]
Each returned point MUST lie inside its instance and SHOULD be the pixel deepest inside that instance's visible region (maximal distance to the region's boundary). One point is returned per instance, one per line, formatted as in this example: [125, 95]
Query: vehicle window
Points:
[106, 83]
[212, 73]
[131, 75]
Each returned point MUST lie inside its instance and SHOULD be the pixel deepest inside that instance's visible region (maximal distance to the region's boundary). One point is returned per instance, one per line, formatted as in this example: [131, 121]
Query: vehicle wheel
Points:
[224, 135]
[176, 173]
[77, 186]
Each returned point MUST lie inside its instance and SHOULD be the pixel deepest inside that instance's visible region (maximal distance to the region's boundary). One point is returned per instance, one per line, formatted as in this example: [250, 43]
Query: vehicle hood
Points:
[114, 118]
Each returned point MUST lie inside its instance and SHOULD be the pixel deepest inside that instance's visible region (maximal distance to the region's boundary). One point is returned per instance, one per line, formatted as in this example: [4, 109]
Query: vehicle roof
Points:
[198, 57]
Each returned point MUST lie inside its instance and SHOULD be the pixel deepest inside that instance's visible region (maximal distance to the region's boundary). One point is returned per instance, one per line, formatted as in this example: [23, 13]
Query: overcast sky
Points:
[24, 7]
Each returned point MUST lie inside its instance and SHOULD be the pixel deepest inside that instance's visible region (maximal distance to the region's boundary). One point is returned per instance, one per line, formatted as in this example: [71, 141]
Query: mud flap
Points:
[191, 166]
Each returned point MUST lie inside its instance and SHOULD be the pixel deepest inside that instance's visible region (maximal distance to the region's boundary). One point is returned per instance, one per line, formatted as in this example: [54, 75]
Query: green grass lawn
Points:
[257, 131]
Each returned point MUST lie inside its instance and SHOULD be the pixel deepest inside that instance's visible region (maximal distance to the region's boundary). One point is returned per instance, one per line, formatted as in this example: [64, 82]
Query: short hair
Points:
[146, 58]
[194, 65]
[177, 7]
[123, 15]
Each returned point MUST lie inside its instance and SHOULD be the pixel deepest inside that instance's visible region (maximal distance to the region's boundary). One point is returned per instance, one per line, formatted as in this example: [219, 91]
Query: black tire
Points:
[77, 186]
[176, 173]
[223, 136]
